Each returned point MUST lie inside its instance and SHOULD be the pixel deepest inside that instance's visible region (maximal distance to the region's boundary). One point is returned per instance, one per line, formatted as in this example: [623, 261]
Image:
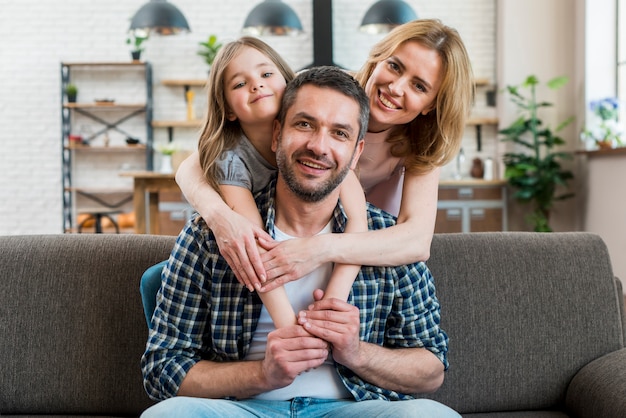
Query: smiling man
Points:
[212, 348]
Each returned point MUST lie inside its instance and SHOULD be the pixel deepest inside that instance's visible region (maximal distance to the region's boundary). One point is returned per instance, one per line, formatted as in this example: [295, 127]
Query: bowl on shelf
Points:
[104, 101]
[132, 141]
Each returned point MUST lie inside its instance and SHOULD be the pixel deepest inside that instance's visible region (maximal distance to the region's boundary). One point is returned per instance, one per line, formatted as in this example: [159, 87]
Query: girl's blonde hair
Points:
[219, 134]
[434, 139]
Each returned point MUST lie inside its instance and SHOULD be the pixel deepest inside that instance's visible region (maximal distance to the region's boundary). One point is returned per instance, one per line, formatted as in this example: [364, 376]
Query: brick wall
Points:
[38, 34]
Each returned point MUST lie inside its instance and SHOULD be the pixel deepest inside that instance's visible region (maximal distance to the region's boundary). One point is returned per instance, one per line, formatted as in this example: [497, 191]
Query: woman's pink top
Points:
[380, 173]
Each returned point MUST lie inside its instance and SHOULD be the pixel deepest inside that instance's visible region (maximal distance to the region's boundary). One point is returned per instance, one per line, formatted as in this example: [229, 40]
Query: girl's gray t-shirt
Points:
[244, 166]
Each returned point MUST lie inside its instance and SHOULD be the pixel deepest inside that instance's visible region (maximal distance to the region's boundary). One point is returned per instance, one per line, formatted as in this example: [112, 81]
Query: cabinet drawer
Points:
[470, 193]
[449, 220]
[484, 220]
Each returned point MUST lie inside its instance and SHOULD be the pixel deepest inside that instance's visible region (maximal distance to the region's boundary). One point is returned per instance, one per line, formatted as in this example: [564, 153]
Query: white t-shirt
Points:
[322, 382]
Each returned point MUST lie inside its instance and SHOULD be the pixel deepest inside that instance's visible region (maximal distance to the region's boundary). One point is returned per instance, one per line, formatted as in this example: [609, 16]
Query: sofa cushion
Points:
[72, 324]
[522, 317]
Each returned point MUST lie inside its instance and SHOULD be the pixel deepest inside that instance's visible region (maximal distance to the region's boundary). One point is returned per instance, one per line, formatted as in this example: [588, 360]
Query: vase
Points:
[166, 164]
[604, 144]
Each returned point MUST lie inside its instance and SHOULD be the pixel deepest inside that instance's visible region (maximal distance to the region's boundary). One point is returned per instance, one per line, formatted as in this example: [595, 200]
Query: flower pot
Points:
[604, 144]
[166, 164]
[71, 97]
[136, 55]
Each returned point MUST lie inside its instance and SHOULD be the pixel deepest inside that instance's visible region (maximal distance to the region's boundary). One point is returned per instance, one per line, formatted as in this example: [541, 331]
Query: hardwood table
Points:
[147, 185]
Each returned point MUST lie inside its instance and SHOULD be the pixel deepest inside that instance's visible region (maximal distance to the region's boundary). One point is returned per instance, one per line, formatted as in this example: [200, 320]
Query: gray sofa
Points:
[536, 324]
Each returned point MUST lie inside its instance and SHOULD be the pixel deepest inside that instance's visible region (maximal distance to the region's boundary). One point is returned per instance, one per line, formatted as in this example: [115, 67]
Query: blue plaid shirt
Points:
[204, 313]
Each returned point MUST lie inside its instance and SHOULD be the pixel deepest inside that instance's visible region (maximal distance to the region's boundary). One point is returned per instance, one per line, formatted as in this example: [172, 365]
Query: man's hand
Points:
[336, 322]
[289, 352]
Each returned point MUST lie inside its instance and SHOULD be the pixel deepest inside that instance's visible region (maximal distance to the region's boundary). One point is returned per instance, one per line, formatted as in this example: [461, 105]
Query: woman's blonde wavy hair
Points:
[434, 139]
[218, 133]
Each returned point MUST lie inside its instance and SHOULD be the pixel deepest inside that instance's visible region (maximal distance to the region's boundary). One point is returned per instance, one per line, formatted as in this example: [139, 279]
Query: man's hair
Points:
[332, 78]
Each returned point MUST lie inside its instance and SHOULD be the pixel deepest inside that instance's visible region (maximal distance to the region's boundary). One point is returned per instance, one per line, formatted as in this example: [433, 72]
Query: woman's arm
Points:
[236, 236]
[276, 301]
[407, 242]
[353, 201]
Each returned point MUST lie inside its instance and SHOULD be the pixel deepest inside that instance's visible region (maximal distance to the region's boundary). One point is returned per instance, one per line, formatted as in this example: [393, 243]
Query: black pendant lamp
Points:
[272, 17]
[161, 17]
[384, 15]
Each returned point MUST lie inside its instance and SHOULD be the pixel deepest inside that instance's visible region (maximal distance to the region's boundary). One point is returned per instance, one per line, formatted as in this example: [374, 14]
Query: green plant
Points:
[209, 49]
[71, 90]
[136, 38]
[535, 175]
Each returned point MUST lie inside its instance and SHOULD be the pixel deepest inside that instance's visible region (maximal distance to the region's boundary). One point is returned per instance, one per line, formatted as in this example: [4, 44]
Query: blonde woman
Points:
[420, 84]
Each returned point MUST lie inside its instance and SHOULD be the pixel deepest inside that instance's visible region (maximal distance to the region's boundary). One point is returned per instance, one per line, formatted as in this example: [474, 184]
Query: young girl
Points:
[245, 87]
[420, 84]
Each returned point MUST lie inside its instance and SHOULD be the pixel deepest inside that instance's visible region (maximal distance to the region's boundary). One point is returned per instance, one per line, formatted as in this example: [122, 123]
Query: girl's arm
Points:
[353, 201]
[236, 236]
[406, 242]
[276, 301]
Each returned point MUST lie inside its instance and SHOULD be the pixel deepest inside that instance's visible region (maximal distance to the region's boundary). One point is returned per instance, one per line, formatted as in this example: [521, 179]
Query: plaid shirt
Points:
[204, 313]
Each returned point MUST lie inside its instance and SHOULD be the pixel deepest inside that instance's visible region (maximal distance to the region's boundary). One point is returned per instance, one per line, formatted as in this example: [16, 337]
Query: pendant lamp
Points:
[272, 17]
[384, 15]
[159, 16]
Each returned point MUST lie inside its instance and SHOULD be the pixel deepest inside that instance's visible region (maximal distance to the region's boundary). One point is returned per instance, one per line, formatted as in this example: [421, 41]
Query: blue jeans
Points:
[184, 407]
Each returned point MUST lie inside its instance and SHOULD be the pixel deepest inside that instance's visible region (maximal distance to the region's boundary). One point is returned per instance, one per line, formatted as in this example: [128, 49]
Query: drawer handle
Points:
[477, 213]
[466, 193]
[453, 214]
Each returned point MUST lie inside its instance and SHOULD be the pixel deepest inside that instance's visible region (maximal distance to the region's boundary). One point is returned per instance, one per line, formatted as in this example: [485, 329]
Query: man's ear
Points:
[357, 154]
[275, 135]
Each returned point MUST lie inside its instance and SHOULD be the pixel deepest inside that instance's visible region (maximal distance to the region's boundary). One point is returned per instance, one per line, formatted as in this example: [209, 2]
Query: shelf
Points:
[480, 82]
[110, 148]
[475, 121]
[195, 123]
[106, 106]
[105, 63]
[185, 83]
[602, 152]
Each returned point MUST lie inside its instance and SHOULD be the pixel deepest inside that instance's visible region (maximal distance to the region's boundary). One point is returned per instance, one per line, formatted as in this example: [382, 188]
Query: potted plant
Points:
[135, 39]
[607, 132]
[209, 49]
[535, 175]
[71, 91]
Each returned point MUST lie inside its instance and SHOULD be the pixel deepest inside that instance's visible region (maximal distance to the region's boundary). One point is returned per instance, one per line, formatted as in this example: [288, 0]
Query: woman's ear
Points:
[428, 109]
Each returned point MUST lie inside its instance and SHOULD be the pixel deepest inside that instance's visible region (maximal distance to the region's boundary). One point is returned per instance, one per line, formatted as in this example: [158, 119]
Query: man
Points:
[212, 348]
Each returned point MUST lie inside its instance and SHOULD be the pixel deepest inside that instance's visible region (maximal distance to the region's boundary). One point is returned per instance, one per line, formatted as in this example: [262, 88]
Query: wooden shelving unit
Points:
[103, 115]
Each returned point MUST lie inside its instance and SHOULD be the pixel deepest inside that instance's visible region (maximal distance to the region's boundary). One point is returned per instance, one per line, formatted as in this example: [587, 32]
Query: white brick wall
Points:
[38, 34]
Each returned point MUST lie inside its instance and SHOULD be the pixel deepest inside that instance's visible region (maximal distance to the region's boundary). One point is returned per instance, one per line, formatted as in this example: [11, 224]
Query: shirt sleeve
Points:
[176, 334]
[415, 318]
[231, 170]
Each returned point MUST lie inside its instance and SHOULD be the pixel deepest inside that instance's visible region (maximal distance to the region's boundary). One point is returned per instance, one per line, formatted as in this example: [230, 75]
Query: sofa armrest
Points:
[598, 389]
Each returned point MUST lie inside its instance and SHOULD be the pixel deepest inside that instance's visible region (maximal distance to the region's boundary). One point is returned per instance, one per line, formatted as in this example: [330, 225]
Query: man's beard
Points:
[316, 194]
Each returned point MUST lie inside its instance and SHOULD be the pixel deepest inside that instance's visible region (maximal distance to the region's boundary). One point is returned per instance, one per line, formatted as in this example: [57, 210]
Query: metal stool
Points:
[97, 218]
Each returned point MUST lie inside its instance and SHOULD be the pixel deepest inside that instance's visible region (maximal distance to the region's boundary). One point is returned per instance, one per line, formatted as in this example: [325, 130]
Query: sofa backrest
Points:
[71, 322]
[524, 312]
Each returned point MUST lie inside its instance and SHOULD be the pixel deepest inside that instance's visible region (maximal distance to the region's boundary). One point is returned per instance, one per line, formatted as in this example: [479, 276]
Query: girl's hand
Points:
[289, 260]
[237, 239]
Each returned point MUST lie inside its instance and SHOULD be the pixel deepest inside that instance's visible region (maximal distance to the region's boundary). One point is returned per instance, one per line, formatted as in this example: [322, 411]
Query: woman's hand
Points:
[237, 240]
[290, 260]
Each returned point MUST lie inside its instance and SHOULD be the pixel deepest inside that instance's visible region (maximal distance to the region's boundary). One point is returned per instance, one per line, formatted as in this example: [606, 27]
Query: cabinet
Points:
[471, 206]
[114, 103]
